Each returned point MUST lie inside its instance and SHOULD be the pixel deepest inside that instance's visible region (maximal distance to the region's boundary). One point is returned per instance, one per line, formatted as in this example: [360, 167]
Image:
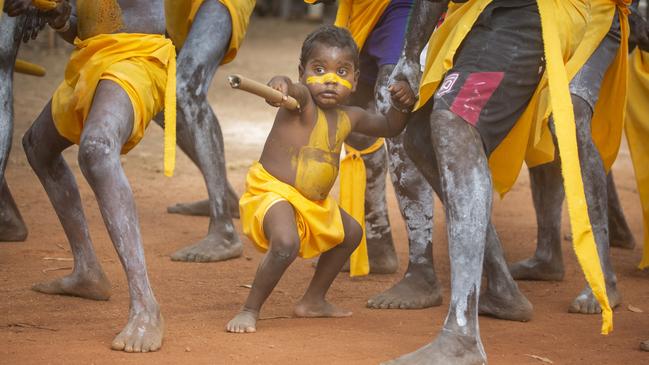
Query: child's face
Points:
[329, 74]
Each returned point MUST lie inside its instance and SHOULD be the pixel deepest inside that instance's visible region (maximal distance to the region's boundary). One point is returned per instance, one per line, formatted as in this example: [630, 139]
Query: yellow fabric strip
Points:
[181, 13]
[29, 68]
[352, 200]
[360, 17]
[564, 122]
[327, 78]
[170, 118]
[637, 134]
[46, 5]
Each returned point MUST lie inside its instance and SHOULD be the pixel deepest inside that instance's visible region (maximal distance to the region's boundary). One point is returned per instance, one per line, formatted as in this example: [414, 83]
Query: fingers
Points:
[16, 7]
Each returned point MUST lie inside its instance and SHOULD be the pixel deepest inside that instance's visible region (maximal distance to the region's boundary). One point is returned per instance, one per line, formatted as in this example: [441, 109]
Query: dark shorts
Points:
[588, 80]
[384, 44]
[496, 70]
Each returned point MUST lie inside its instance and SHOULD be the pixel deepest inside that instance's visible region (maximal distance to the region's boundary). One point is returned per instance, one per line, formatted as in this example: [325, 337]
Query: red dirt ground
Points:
[198, 299]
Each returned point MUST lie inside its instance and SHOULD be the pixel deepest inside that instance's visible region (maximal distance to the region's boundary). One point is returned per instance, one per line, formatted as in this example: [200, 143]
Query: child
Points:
[287, 208]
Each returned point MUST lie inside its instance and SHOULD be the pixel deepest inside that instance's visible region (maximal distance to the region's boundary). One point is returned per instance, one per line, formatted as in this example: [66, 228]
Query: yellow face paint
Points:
[329, 77]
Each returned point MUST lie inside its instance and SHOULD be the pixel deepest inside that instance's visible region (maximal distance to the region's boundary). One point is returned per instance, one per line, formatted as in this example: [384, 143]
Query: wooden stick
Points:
[265, 91]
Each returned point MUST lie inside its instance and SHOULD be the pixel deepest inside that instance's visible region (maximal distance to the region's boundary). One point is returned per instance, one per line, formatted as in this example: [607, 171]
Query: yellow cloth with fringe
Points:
[181, 13]
[360, 17]
[637, 135]
[144, 65]
[319, 223]
[352, 200]
[564, 24]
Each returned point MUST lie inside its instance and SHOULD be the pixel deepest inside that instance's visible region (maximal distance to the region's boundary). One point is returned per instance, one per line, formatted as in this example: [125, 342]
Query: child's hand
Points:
[281, 84]
[402, 96]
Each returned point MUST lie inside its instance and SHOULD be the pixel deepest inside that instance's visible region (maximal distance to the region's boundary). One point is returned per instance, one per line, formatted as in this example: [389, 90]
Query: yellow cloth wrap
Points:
[360, 17]
[328, 77]
[637, 135]
[45, 4]
[181, 13]
[352, 200]
[563, 61]
[29, 68]
[143, 65]
[319, 222]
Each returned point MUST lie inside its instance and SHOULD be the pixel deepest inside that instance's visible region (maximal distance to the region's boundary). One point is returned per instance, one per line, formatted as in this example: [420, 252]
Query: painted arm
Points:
[63, 19]
[289, 88]
[402, 99]
[425, 16]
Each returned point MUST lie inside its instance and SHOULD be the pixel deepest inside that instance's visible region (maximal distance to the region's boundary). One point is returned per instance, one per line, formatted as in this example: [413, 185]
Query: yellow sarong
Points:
[319, 223]
[352, 200]
[637, 135]
[181, 13]
[563, 25]
[143, 65]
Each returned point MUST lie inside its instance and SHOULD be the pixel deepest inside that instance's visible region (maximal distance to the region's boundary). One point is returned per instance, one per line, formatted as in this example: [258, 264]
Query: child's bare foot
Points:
[244, 322]
[319, 309]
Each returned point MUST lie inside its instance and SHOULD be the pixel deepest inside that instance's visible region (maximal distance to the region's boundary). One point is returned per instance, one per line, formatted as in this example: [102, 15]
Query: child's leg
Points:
[43, 146]
[281, 230]
[107, 127]
[313, 303]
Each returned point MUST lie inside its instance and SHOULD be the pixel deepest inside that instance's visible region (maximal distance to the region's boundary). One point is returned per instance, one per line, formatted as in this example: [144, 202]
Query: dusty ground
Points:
[198, 299]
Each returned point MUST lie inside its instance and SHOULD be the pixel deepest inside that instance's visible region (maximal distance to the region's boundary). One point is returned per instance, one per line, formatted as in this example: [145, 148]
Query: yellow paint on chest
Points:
[317, 162]
[98, 17]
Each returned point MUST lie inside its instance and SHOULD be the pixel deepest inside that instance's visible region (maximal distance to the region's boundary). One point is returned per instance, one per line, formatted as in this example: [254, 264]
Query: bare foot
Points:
[448, 348]
[418, 289]
[142, 333]
[201, 208]
[537, 269]
[91, 285]
[644, 346]
[511, 306]
[319, 309]
[244, 322]
[12, 226]
[585, 303]
[210, 249]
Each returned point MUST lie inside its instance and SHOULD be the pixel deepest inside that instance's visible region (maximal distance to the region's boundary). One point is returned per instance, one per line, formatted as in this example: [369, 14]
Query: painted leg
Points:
[619, 233]
[595, 188]
[12, 226]
[467, 190]
[199, 133]
[106, 129]
[43, 146]
[419, 287]
[548, 194]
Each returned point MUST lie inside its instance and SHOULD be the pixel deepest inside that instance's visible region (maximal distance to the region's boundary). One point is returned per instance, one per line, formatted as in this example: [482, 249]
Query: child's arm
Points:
[402, 98]
[289, 88]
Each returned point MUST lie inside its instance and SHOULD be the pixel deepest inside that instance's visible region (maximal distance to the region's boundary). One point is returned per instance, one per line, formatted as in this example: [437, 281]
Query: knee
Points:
[353, 234]
[96, 154]
[285, 247]
[583, 117]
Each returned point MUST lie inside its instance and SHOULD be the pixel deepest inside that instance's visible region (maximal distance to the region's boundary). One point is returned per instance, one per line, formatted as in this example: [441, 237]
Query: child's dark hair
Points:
[330, 36]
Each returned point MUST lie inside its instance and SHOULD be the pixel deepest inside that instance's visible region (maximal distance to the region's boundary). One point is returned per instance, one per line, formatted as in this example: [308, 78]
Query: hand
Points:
[59, 16]
[409, 71]
[281, 84]
[17, 7]
[33, 24]
[402, 96]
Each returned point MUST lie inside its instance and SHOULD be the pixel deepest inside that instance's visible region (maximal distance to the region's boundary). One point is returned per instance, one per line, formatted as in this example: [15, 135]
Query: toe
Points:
[117, 344]
[137, 345]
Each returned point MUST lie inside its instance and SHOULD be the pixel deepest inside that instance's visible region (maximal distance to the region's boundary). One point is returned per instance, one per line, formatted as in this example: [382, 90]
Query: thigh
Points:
[495, 72]
[207, 42]
[111, 115]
